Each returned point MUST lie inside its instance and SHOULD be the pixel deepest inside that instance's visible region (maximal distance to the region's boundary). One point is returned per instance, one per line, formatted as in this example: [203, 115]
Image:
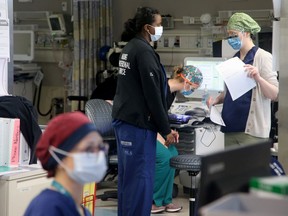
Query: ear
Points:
[146, 28]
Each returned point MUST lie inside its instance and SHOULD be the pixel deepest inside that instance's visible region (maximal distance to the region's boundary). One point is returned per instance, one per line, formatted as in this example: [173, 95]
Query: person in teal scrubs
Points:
[185, 80]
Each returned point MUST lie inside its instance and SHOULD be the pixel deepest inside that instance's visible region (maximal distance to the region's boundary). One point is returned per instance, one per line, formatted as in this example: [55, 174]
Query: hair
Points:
[252, 36]
[178, 70]
[132, 27]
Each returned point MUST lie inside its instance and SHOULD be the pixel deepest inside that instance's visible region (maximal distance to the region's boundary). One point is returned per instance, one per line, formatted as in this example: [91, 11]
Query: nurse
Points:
[71, 150]
[139, 112]
[248, 118]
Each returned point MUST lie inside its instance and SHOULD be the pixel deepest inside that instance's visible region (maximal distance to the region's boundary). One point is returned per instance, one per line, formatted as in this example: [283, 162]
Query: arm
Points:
[150, 75]
[262, 72]
[218, 100]
[269, 90]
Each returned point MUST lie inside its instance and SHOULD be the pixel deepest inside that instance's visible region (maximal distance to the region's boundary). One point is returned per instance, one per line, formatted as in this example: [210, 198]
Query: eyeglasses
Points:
[92, 148]
[193, 85]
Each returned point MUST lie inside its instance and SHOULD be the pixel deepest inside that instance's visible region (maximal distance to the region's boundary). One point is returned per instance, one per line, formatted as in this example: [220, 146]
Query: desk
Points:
[18, 189]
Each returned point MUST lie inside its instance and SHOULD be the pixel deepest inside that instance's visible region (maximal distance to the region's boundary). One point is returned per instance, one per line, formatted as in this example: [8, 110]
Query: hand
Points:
[252, 72]
[176, 135]
[210, 101]
[173, 137]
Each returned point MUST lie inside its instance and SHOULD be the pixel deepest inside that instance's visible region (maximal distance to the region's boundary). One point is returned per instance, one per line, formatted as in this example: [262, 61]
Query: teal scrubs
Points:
[164, 175]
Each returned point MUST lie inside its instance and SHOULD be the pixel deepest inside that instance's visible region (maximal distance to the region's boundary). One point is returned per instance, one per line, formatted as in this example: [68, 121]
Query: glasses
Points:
[92, 148]
[193, 85]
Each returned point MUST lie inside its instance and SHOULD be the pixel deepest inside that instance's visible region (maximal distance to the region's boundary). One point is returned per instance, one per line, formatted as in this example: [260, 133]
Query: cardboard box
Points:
[239, 204]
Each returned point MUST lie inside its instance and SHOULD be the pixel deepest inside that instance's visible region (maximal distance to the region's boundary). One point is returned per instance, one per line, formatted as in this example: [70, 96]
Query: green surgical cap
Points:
[243, 22]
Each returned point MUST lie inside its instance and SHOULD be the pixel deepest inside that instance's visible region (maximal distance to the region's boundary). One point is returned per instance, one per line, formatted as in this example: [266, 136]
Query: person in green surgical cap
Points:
[185, 80]
[248, 118]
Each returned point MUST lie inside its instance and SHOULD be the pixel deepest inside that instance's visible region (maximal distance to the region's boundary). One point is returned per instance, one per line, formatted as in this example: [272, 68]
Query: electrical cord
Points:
[38, 100]
[208, 129]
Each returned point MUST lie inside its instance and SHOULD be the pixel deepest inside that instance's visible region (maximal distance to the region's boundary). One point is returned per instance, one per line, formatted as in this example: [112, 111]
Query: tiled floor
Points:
[109, 208]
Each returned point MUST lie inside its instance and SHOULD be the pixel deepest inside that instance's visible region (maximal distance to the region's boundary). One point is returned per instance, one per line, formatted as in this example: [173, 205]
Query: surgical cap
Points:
[193, 74]
[243, 22]
[64, 132]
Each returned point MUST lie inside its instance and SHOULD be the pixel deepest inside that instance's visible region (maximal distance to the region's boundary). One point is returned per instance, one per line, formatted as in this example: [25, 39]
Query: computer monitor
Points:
[231, 170]
[211, 77]
[23, 45]
[57, 24]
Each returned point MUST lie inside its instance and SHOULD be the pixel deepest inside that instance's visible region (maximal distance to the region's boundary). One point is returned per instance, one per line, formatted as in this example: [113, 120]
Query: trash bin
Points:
[240, 204]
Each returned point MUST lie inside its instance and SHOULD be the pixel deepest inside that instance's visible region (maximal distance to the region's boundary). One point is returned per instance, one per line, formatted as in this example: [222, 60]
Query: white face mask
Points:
[88, 167]
[158, 33]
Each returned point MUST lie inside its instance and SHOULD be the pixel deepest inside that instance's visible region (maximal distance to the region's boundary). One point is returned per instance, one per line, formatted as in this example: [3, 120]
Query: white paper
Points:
[235, 77]
[3, 77]
[3, 9]
[215, 116]
[5, 39]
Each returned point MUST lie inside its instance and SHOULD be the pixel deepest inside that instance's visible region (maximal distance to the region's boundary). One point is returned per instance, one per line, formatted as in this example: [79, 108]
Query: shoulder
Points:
[141, 44]
[261, 53]
[57, 203]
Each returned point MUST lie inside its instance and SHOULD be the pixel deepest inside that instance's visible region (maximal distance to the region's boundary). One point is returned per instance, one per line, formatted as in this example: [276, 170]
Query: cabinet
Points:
[18, 189]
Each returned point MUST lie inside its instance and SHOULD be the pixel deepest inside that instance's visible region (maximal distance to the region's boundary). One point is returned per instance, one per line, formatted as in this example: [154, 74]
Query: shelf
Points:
[178, 49]
[49, 55]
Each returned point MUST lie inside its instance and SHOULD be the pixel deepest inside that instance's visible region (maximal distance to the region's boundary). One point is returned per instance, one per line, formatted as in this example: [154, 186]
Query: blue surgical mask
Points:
[187, 93]
[235, 43]
[88, 167]
[158, 33]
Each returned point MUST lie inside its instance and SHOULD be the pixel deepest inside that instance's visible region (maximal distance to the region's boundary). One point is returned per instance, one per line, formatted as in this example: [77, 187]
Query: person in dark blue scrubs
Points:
[70, 149]
[139, 112]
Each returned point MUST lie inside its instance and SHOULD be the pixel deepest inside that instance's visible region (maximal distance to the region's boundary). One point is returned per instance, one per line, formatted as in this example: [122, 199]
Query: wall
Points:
[47, 58]
[180, 8]
[283, 88]
[185, 8]
[42, 5]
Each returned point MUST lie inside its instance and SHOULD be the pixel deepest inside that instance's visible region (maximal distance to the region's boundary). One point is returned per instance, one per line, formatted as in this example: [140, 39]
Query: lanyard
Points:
[61, 189]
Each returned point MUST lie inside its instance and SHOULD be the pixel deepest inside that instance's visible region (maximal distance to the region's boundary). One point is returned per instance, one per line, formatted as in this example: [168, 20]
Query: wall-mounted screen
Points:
[211, 77]
[23, 45]
[60, 24]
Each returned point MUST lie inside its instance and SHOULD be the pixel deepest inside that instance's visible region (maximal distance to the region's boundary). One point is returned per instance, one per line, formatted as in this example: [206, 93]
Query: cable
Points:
[38, 101]
[203, 135]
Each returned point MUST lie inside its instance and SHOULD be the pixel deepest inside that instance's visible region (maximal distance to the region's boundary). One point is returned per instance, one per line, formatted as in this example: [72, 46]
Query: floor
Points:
[109, 207]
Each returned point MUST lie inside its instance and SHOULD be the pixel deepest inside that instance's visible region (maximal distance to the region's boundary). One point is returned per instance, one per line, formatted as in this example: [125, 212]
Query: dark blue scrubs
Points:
[136, 167]
[235, 113]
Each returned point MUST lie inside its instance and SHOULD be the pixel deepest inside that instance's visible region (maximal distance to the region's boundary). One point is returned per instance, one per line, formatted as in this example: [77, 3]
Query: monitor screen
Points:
[56, 24]
[211, 77]
[23, 45]
[231, 170]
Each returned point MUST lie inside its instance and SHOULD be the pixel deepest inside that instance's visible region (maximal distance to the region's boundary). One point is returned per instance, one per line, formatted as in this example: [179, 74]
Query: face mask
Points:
[187, 93]
[88, 167]
[158, 33]
[235, 43]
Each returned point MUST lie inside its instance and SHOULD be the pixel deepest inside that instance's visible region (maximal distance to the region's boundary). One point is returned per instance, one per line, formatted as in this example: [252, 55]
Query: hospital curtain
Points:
[92, 30]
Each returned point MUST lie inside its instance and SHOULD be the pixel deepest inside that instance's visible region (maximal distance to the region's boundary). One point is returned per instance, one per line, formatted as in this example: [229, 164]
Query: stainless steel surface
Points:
[283, 88]
[10, 64]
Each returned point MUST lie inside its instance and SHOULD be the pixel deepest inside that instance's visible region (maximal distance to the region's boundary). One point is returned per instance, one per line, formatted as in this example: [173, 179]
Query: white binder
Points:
[9, 141]
[24, 151]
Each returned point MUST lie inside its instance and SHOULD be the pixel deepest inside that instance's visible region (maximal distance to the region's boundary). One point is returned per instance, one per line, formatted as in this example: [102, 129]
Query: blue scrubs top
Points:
[235, 113]
[50, 202]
